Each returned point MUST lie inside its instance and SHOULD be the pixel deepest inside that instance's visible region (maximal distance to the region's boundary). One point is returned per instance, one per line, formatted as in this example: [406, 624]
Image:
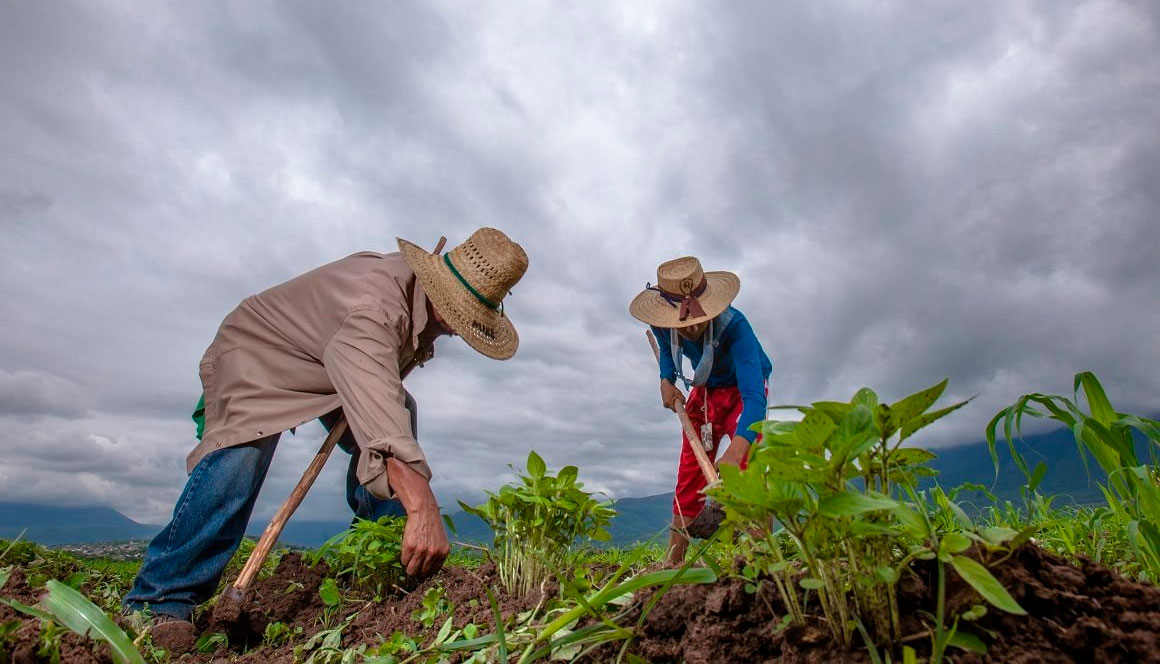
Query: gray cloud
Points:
[908, 193]
[31, 393]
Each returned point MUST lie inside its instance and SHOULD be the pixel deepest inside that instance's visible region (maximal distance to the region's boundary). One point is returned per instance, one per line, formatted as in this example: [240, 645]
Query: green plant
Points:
[65, 606]
[941, 531]
[369, 553]
[828, 480]
[211, 642]
[331, 599]
[278, 633]
[537, 521]
[432, 607]
[1132, 489]
[325, 647]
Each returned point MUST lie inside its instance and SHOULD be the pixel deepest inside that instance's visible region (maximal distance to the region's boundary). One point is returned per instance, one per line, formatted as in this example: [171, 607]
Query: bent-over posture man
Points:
[339, 339]
[690, 315]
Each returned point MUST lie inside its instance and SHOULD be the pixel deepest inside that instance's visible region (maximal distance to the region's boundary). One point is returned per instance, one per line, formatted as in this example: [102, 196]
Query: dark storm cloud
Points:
[907, 192]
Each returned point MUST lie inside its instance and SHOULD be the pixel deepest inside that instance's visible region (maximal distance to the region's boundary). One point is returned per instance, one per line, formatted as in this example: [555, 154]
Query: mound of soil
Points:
[290, 596]
[1083, 613]
[1075, 614]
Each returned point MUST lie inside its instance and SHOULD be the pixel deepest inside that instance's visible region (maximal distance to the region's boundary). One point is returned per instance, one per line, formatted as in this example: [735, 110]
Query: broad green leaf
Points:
[867, 397]
[568, 474]
[904, 410]
[329, 593]
[954, 543]
[813, 430]
[911, 426]
[536, 465]
[915, 525]
[911, 456]
[967, 641]
[998, 534]
[849, 503]
[986, 584]
[811, 583]
[835, 410]
[80, 615]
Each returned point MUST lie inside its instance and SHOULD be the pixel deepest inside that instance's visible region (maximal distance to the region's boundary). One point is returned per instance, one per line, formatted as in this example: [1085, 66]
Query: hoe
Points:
[709, 520]
[230, 605]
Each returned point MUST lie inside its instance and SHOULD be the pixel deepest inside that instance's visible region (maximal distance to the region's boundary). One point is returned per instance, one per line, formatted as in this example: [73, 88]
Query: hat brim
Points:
[720, 290]
[484, 329]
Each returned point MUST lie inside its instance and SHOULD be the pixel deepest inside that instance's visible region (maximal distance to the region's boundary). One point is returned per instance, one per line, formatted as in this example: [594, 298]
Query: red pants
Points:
[724, 408]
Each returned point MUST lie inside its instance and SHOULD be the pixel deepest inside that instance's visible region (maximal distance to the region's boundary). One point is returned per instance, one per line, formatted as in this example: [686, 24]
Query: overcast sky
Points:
[908, 191]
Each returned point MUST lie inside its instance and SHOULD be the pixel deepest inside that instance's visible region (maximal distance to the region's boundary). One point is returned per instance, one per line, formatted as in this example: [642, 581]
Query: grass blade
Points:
[499, 635]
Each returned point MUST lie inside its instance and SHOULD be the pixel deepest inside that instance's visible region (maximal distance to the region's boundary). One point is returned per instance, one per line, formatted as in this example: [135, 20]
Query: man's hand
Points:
[737, 452]
[425, 544]
[671, 397]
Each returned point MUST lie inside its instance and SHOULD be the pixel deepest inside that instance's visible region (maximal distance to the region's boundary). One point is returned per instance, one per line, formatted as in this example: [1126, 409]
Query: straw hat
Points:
[684, 295]
[467, 286]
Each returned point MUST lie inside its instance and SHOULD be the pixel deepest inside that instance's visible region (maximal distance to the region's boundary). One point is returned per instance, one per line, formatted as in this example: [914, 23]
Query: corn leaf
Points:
[80, 615]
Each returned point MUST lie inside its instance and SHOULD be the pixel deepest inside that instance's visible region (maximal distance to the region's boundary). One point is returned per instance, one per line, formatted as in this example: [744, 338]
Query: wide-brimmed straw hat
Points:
[467, 286]
[685, 295]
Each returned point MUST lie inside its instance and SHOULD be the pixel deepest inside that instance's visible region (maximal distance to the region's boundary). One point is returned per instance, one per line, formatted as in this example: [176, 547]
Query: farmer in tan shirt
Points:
[339, 339]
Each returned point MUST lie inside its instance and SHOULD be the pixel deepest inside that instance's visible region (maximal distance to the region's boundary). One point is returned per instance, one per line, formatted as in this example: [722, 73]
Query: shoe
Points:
[177, 636]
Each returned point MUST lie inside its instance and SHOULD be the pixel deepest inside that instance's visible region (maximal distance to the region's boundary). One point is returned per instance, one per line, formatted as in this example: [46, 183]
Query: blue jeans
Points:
[184, 562]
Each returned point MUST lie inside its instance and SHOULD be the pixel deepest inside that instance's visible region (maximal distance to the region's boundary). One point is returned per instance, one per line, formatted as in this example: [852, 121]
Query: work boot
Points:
[177, 636]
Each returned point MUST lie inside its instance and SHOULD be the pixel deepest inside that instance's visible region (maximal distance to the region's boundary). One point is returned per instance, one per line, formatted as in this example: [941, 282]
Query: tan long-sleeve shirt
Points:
[344, 334]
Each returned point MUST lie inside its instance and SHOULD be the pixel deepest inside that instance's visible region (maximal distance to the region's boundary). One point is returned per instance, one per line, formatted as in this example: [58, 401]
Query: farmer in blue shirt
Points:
[690, 315]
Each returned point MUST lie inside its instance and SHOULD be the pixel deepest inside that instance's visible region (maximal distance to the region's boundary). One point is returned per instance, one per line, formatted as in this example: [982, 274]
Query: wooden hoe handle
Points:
[691, 434]
[274, 530]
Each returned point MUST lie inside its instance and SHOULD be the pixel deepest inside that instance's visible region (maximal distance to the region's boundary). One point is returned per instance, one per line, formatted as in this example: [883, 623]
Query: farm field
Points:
[862, 566]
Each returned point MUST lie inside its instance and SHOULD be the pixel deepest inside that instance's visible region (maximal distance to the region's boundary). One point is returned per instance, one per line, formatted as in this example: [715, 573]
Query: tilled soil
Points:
[1075, 614]
[1083, 613]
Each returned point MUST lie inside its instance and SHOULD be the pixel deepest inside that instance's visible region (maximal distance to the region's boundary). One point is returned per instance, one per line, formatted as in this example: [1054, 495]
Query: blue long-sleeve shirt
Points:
[739, 360]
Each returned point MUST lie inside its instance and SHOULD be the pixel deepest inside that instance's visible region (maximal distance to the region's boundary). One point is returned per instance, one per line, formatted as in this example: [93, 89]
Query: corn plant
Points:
[64, 606]
[536, 522]
[1132, 489]
[369, 553]
[828, 480]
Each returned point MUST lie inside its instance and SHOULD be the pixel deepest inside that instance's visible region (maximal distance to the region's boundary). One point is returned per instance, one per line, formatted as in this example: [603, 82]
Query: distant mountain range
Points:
[637, 519]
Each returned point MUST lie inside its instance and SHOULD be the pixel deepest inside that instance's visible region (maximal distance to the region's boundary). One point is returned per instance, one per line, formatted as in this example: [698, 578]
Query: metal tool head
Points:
[706, 523]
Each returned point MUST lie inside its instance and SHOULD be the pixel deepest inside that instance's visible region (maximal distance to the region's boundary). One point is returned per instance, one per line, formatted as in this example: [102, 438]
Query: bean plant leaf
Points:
[986, 584]
[904, 410]
[849, 503]
[536, 465]
[954, 543]
[911, 426]
[967, 641]
[813, 430]
[915, 525]
[329, 593]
